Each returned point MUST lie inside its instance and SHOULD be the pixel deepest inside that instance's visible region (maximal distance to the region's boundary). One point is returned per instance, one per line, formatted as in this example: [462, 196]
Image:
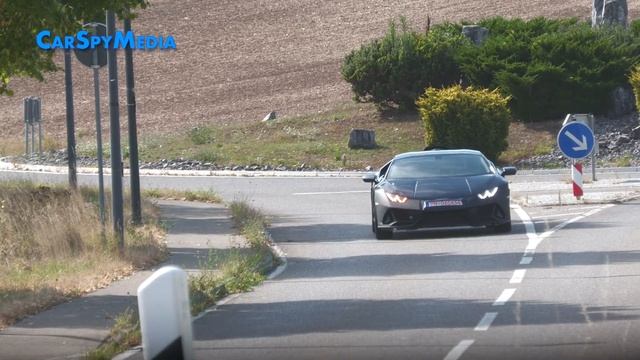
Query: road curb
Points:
[269, 267]
[196, 173]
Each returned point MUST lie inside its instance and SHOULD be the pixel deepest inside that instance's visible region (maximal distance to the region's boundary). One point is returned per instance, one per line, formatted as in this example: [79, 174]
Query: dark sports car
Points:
[439, 189]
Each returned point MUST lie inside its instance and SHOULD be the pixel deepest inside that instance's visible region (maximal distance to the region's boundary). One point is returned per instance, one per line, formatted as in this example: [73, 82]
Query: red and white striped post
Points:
[576, 178]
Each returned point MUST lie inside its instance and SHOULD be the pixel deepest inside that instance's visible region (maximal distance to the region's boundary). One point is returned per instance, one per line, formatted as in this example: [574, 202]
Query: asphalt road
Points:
[564, 284]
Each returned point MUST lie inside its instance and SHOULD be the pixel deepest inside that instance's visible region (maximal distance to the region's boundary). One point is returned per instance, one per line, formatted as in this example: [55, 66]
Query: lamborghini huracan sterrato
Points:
[439, 189]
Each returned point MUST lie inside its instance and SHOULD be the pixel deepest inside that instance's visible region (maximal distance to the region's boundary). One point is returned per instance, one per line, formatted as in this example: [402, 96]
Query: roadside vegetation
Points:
[52, 247]
[205, 196]
[225, 272]
[320, 142]
[237, 270]
[547, 67]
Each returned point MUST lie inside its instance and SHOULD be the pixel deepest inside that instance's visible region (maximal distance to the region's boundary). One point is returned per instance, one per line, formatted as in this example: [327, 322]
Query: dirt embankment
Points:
[238, 60]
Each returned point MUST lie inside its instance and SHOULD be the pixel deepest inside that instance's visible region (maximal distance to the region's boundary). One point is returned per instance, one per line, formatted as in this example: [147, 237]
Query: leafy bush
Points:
[551, 67]
[548, 67]
[634, 80]
[466, 118]
[395, 70]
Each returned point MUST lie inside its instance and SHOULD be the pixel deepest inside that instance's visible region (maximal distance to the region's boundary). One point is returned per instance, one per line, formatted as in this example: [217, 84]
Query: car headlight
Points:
[397, 198]
[488, 193]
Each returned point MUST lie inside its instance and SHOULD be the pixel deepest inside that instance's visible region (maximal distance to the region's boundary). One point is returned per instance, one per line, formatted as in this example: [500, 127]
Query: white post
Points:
[165, 315]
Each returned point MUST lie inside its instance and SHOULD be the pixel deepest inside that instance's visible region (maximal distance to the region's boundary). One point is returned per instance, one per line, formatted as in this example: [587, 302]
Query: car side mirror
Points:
[508, 170]
[369, 177]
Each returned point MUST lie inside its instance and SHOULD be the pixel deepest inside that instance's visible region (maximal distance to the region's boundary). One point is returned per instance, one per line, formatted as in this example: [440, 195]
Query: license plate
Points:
[439, 203]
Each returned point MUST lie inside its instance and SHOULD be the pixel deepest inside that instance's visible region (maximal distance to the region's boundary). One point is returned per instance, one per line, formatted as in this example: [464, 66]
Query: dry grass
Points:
[52, 247]
[206, 196]
[529, 139]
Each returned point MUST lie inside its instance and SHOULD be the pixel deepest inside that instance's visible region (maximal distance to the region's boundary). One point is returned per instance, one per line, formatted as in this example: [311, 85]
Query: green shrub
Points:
[471, 118]
[201, 135]
[551, 67]
[395, 70]
[634, 80]
[548, 67]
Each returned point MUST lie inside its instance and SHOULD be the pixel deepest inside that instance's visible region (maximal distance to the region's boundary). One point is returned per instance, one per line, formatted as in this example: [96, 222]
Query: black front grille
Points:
[478, 216]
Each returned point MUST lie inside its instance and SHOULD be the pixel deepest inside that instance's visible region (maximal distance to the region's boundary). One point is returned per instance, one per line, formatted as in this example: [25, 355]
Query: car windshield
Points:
[441, 165]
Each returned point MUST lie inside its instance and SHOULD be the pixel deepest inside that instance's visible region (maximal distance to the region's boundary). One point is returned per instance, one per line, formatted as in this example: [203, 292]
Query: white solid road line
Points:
[459, 349]
[486, 321]
[504, 297]
[333, 192]
[555, 215]
[518, 276]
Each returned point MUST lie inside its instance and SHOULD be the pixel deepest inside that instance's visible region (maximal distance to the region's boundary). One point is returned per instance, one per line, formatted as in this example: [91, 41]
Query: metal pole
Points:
[71, 137]
[33, 138]
[40, 137]
[26, 139]
[26, 126]
[136, 205]
[96, 91]
[116, 155]
[593, 154]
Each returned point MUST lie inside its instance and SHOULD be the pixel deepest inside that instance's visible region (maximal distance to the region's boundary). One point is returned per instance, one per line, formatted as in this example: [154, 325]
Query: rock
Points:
[609, 12]
[623, 139]
[623, 101]
[477, 34]
[270, 116]
[368, 168]
[635, 133]
[362, 139]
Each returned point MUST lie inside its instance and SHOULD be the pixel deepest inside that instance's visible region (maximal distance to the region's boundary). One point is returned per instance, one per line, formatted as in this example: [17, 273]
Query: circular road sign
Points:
[96, 57]
[576, 140]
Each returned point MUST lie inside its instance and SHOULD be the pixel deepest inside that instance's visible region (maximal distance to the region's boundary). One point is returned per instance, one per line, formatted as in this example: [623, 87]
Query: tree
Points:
[21, 20]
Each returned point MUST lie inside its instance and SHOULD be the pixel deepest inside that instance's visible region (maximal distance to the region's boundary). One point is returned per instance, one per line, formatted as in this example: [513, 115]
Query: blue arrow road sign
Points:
[576, 140]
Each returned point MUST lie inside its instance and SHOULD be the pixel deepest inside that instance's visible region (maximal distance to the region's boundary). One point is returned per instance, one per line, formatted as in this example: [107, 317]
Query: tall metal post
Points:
[96, 92]
[116, 155]
[71, 137]
[27, 118]
[136, 205]
[597, 147]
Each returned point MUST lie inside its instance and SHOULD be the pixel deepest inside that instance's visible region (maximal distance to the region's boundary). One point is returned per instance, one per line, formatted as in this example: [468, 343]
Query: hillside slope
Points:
[238, 60]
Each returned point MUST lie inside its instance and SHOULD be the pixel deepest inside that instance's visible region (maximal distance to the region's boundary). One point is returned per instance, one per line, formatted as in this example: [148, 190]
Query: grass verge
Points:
[124, 335]
[52, 247]
[206, 196]
[224, 272]
[239, 269]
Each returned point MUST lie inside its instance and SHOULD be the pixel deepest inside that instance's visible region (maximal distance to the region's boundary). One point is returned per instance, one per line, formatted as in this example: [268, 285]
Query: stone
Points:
[362, 139]
[623, 101]
[270, 116]
[623, 139]
[609, 12]
[635, 133]
[477, 34]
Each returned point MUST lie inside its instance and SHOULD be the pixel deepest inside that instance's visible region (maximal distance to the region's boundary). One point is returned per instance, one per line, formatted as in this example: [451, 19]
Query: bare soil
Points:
[238, 60]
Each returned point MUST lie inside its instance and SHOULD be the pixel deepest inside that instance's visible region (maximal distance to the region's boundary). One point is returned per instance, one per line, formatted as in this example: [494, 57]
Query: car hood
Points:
[443, 188]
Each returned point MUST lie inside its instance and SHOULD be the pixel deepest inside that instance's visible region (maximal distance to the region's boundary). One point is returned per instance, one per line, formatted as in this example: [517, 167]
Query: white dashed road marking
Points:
[504, 297]
[486, 321]
[459, 349]
[526, 260]
[518, 276]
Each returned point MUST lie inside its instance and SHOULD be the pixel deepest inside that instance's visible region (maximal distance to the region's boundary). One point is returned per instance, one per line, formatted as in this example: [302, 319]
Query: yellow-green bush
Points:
[470, 118]
[634, 80]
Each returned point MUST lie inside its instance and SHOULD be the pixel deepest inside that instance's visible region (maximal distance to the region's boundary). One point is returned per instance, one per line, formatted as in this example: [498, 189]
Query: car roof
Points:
[437, 152]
